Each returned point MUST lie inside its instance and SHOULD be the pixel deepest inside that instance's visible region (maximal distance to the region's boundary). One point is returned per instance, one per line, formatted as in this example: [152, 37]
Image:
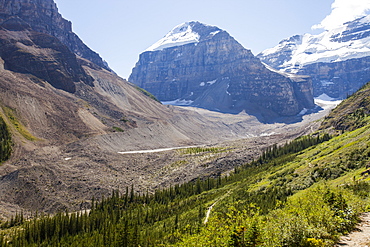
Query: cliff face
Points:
[338, 79]
[44, 56]
[43, 16]
[210, 69]
[337, 60]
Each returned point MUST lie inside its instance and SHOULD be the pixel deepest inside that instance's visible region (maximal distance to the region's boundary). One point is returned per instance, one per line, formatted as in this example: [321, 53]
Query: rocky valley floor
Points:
[54, 178]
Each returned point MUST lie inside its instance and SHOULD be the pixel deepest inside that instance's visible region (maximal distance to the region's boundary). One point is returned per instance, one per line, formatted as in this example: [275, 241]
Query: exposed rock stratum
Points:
[203, 66]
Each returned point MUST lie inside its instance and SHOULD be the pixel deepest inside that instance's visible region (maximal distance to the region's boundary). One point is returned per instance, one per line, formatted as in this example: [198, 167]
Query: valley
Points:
[306, 192]
[245, 156]
[69, 176]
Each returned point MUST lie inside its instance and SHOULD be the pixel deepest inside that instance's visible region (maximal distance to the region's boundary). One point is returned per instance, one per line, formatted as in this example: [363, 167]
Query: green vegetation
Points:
[352, 113]
[17, 125]
[146, 93]
[5, 141]
[197, 150]
[118, 129]
[124, 119]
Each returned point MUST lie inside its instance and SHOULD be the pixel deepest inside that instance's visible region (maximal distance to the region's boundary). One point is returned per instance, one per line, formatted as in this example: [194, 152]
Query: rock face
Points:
[44, 56]
[204, 66]
[43, 16]
[337, 60]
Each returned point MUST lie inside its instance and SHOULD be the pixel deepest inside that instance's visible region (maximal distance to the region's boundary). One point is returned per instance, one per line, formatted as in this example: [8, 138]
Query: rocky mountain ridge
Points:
[23, 50]
[337, 60]
[43, 16]
[203, 66]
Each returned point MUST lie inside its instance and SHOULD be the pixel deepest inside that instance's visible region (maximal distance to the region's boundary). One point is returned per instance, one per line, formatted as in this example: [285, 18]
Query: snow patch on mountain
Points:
[325, 97]
[326, 83]
[326, 102]
[178, 102]
[303, 112]
[215, 32]
[181, 35]
[202, 84]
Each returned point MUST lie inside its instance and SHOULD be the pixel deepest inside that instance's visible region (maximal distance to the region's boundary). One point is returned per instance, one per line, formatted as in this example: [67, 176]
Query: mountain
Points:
[65, 121]
[203, 66]
[43, 16]
[65, 117]
[337, 60]
[23, 50]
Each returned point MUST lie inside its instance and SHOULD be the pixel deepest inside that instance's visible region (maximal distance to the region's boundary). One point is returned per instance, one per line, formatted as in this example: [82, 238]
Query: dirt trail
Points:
[208, 213]
[360, 237]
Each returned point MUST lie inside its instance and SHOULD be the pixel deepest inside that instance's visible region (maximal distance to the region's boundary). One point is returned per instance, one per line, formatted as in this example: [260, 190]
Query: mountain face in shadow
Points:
[203, 66]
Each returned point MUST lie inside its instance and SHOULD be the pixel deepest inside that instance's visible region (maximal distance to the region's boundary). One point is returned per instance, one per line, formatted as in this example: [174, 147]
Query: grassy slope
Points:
[350, 114]
[305, 217]
[333, 166]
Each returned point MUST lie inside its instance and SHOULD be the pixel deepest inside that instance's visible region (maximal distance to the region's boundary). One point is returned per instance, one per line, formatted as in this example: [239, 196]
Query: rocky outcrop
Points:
[43, 16]
[44, 56]
[337, 60]
[206, 67]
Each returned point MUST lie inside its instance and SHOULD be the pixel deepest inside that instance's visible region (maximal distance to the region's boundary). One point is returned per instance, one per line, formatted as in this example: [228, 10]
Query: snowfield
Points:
[326, 102]
[178, 102]
[181, 35]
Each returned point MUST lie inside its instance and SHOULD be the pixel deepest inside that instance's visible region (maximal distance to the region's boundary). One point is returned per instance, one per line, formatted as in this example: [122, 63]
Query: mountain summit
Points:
[337, 59]
[203, 66]
[186, 33]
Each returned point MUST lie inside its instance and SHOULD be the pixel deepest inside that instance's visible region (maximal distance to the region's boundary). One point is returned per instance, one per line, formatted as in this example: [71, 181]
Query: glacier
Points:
[351, 40]
[180, 35]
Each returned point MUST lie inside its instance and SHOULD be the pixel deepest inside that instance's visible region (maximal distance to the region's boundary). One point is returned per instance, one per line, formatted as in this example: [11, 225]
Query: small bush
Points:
[5, 141]
[146, 93]
[118, 129]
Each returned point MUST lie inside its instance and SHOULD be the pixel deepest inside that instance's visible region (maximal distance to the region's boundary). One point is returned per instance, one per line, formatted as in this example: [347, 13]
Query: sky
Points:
[119, 30]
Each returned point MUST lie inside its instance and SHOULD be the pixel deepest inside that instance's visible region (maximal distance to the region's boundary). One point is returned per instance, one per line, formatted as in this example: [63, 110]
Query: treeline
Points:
[292, 147]
[5, 141]
[121, 220]
[131, 219]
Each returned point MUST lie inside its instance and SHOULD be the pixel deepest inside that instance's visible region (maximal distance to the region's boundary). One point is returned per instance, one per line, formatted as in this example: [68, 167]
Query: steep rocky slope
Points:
[352, 113]
[23, 51]
[43, 16]
[204, 66]
[337, 60]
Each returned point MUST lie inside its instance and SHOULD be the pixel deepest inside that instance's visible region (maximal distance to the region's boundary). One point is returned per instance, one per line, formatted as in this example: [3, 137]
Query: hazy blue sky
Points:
[119, 30]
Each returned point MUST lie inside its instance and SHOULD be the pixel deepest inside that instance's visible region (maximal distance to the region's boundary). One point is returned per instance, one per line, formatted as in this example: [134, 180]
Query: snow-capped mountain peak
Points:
[185, 33]
[351, 40]
[337, 59]
[180, 35]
